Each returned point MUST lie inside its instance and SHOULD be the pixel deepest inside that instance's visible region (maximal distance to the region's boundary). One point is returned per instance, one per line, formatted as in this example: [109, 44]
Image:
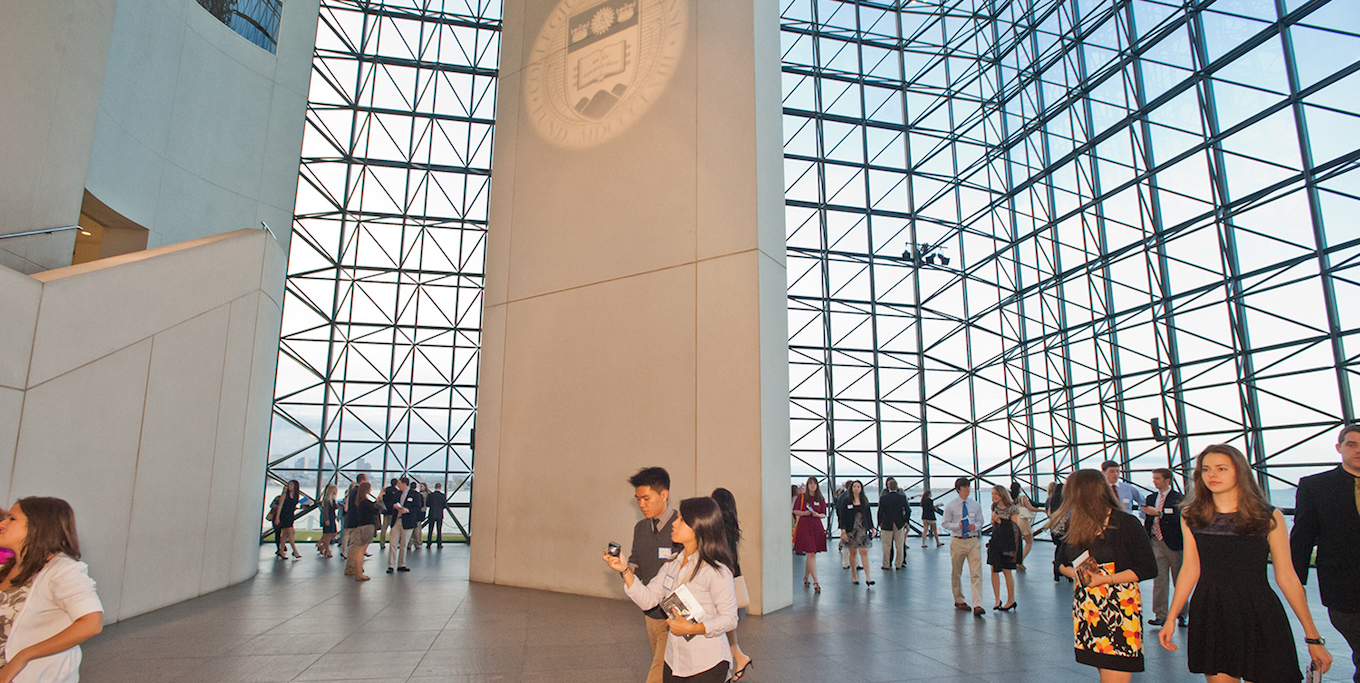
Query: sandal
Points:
[742, 671]
[806, 583]
[816, 587]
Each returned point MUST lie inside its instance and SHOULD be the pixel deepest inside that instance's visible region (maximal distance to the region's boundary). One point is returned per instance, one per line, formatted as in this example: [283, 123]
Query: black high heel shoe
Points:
[1007, 608]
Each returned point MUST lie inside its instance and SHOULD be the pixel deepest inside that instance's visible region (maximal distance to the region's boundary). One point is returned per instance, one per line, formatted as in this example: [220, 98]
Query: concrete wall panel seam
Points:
[136, 464]
[134, 343]
[212, 472]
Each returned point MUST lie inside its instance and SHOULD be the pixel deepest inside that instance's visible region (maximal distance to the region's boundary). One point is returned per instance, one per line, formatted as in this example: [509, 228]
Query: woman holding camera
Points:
[695, 651]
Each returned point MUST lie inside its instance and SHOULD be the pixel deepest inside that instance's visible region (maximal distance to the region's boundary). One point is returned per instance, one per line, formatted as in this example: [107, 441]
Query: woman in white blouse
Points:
[48, 606]
[704, 569]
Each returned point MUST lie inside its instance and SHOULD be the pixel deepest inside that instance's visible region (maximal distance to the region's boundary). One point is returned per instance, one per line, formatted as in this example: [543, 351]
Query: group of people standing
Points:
[404, 508]
[1213, 545]
[694, 547]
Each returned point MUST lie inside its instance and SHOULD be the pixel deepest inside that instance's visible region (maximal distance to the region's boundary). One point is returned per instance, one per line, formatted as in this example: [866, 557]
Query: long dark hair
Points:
[51, 530]
[292, 490]
[727, 503]
[1253, 514]
[812, 483]
[850, 493]
[1088, 504]
[706, 519]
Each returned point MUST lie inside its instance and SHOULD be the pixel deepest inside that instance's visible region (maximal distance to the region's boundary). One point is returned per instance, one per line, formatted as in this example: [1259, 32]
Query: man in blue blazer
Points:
[1327, 516]
[1162, 519]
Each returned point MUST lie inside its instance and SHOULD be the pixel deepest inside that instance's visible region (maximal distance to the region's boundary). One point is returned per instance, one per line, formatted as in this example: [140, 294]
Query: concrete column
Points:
[635, 288]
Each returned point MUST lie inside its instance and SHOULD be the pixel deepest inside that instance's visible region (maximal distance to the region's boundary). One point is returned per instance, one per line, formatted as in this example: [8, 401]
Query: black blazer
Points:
[893, 511]
[411, 519]
[436, 502]
[1325, 517]
[847, 513]
[1170, 522]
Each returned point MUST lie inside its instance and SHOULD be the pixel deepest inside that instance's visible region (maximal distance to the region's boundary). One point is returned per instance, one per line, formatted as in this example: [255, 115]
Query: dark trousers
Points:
[1348, 623]
[434, 529]
[717, 674]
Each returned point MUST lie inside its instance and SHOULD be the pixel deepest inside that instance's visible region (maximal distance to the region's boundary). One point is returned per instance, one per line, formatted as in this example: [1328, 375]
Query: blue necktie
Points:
[964, 528]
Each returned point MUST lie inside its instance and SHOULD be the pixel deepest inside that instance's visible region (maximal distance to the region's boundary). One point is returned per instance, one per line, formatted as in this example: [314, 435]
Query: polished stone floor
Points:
[302, 621]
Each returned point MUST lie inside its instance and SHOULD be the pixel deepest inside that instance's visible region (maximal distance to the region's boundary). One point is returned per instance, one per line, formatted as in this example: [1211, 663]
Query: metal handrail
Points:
[44, 231]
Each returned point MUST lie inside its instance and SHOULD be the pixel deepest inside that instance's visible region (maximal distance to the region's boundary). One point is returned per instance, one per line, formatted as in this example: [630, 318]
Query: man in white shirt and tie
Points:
[1124, 491]
[961, 519]
[1163, 525]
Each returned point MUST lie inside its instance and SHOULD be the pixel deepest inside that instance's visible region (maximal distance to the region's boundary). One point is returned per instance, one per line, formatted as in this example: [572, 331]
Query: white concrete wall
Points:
[199, 130]
[139, 388]
[635, 312]
[164, 113]
[51, 66]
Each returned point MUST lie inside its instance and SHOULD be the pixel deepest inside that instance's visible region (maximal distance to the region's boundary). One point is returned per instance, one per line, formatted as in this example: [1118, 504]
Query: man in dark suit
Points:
[893, 514]
[1162, 519]
[1327, 516]
[408, 508]
[434, 524]
[389, 498]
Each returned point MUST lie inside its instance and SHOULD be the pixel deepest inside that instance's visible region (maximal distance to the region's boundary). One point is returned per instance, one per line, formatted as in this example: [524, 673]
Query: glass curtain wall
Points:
[1026, 236]
[382, 308]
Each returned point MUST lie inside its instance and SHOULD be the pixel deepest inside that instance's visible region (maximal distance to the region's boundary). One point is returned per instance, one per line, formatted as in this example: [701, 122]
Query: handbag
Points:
[743, 597]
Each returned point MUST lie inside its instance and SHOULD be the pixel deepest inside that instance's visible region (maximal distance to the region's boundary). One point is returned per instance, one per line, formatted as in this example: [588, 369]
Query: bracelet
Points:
[1316, 641]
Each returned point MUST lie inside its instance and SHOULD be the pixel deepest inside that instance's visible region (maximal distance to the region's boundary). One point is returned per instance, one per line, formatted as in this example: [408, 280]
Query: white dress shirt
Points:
[714, 590]
[953, 517]
[1129, 499]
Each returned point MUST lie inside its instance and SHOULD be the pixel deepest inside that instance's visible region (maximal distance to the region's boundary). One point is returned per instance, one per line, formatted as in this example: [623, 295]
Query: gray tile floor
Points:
[302, 621]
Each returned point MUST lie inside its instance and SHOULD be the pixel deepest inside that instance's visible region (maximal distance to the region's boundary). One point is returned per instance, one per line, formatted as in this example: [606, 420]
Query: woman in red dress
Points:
[809, 537]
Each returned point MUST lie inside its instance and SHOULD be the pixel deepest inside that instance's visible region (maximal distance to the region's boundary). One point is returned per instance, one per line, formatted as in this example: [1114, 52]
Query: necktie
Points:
[1157, 522]
[964, 528]
[1357, 493]
[656, 525]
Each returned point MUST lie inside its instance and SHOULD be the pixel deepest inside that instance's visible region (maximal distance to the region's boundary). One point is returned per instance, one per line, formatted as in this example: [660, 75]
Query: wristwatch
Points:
[1316, 641]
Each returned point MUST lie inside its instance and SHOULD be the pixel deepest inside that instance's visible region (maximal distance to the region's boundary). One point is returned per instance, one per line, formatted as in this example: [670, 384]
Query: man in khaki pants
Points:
[962, 519]
[652, 547]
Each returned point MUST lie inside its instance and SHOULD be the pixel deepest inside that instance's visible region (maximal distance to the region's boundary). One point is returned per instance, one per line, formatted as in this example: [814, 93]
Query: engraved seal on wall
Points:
[598, 66]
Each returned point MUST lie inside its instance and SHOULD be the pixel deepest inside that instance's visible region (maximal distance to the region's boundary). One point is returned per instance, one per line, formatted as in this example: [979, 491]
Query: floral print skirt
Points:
[1107, 623]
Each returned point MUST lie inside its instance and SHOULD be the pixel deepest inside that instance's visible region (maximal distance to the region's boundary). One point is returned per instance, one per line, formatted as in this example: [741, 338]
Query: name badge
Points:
[1169, 511]
[663, 553]
[668, 582]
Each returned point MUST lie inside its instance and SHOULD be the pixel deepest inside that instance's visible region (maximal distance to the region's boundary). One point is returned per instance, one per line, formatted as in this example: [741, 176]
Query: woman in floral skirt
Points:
[1107, 607]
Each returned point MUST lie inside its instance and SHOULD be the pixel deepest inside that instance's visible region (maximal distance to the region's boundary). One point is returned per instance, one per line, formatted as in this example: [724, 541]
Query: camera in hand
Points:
[614, 549]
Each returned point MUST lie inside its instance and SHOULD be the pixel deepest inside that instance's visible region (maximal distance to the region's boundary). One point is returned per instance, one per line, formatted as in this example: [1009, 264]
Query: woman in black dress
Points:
[283, 521]
[727, 504]
[928, 519]
[1238, 629]
[1054, 528]
[1107, 607]
[1004, 548]
[857, 529]
[328, 510]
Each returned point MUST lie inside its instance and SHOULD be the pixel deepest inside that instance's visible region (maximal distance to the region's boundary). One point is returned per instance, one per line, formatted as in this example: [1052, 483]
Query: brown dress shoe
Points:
[978, 611]
[962, 606]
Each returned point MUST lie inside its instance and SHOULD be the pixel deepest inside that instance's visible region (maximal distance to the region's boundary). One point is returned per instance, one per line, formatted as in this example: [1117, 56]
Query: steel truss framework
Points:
[1149, 211]
[382, 308]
